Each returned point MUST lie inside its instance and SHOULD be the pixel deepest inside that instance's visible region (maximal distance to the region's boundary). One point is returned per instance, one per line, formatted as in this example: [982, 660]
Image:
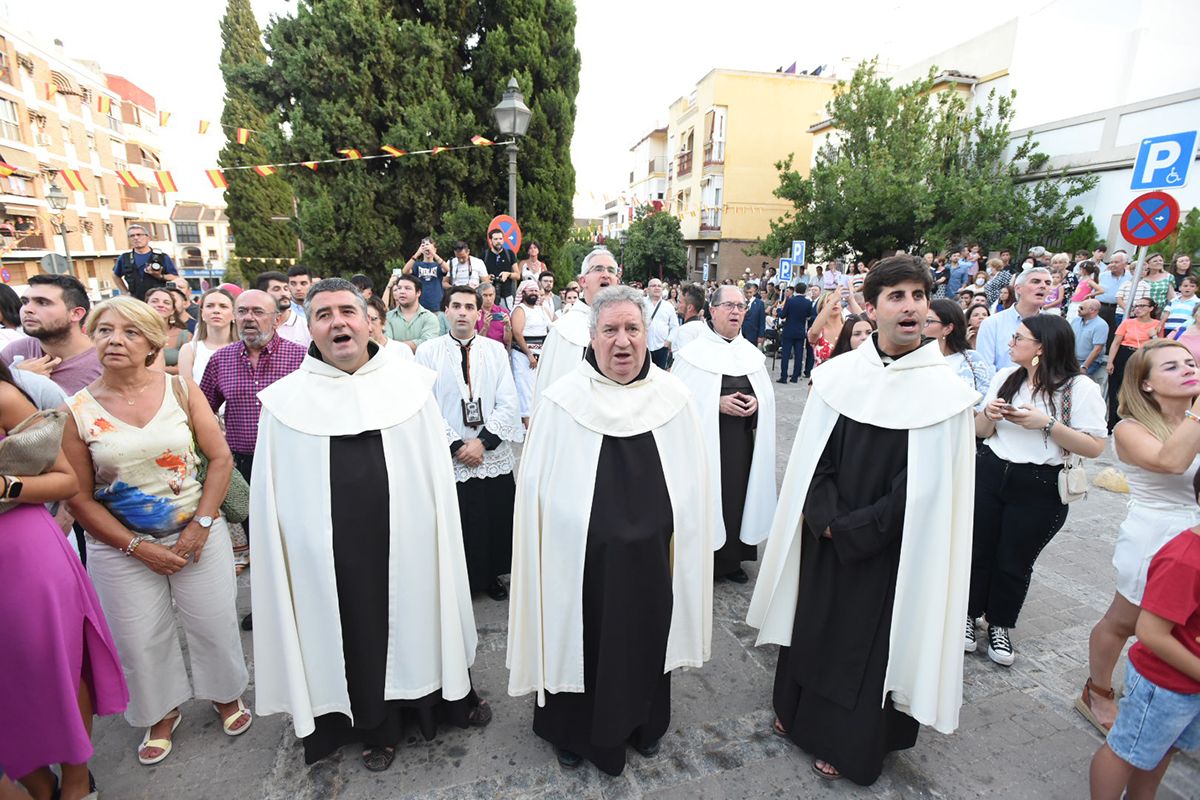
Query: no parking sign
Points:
[511, 230]
[1150, 218]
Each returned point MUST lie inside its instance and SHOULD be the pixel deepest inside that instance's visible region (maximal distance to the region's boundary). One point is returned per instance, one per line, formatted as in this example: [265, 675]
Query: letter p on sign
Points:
[1163, 161]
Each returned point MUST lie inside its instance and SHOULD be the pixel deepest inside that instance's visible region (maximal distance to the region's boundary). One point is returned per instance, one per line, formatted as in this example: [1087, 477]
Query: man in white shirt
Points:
[466, 269]
[292, 326]
[996, 332]
[663, 321]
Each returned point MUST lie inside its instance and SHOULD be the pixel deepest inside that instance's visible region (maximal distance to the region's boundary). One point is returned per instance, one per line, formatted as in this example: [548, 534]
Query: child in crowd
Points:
[1160, 712]
[1179, 311]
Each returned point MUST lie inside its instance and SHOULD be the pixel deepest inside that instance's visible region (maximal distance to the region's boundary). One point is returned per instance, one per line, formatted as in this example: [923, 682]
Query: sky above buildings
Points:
[637, 58]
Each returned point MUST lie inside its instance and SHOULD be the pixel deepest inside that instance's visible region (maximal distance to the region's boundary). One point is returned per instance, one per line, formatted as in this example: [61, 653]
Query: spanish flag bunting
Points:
[351, 153]
[51, 90]
[165, 181]
[126, 177]
[163, 118]
[203, 128]
[479, 141]
[311, 165]
[73, 179]
[243, 135]
[217, 178]
[438, 149]
[393, 151]
[6, 169]
[264, 170]
[104, 105]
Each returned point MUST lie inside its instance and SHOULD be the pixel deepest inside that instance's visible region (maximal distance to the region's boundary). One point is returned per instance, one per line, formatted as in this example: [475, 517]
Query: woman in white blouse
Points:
[1035, 413]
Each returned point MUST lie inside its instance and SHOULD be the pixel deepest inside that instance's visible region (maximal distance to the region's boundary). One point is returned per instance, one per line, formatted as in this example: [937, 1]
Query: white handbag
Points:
[1072, 479]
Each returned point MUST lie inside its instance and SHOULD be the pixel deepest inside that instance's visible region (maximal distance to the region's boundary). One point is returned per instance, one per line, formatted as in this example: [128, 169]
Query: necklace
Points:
[125, 397]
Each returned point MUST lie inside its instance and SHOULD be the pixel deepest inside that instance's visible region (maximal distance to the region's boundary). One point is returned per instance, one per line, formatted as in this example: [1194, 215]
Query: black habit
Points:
[737, 454]
[829, 683]
[627, 600]
[358, 483]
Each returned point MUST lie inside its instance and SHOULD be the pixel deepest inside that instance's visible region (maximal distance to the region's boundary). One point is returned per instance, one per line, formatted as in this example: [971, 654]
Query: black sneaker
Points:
[1000, 648]
[969, 641]
[738, 576]
[649, 750]
[496, 590]
[568, 759]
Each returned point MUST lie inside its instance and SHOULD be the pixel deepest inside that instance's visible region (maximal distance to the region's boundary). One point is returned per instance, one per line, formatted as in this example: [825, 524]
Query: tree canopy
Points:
[654, 246]
[908, 167]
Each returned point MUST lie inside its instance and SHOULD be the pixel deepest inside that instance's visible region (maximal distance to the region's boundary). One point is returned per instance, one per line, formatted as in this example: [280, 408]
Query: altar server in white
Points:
[865, 576]
[362, 612]
[476, 393]
[570, 334]
[731, 388]
[612, 551]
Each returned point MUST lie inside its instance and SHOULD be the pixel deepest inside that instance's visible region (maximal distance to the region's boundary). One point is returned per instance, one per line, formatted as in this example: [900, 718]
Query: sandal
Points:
[378, 759]
[164, 745]
[480, 715]
[1084, 705]
[829, 776]
[778, 729]
[227, 722]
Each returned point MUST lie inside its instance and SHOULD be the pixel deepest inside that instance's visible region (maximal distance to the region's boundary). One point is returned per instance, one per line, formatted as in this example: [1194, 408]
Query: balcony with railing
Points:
[684, 164]
[714, 154]
[656, 167]
[710, 219]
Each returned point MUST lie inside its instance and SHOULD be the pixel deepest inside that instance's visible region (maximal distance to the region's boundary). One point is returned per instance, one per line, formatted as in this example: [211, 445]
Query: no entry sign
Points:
[1150, 218]
[511, 230]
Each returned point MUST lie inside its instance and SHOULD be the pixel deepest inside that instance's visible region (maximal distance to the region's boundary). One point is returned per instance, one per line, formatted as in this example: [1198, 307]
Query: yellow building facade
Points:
[723, 141]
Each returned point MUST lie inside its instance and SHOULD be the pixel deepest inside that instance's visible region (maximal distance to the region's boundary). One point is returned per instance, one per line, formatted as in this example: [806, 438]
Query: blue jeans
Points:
[788, 346]
[1151, 720]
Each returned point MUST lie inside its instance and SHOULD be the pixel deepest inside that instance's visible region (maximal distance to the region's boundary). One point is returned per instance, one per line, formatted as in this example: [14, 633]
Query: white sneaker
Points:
[969, 640]
[1000, 648]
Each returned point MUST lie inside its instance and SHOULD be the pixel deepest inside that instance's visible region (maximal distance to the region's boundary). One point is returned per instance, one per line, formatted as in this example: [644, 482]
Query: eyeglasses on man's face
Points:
[731, 305]
[257, 313]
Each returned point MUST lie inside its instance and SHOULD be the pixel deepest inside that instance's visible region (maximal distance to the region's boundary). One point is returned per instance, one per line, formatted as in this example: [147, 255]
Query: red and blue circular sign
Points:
[511, 230]
[5, 275]
[1150, 218]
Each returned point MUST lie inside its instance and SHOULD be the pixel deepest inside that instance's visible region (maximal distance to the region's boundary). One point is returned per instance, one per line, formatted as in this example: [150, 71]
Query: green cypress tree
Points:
[251, 200]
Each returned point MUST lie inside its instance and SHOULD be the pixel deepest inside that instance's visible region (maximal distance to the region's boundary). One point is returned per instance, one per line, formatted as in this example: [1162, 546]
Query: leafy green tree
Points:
[1083, 236]
[462, 222]
[907, 169]
[654, 244]
[1183, 241]
[251, 200]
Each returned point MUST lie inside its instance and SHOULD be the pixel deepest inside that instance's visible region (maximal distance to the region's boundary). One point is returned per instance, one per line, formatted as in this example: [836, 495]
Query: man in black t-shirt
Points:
[502, 266]
[142, 268]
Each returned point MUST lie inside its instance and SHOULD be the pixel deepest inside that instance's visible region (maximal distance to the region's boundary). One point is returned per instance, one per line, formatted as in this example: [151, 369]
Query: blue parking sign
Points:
[798, 248]
[1163, 161]
[785, 270]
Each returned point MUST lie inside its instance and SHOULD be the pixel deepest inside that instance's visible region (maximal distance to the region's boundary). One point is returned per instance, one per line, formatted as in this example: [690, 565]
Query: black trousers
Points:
[659, 357]
[1108, 313]
[1114, 383]
[1017, 513]
[789, 346]
[244, 463]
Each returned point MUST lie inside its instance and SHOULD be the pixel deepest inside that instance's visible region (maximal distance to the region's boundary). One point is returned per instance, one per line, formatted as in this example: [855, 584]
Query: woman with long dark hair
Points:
[855, 330]
[947, 323]
[10, 315]
[1037, 414]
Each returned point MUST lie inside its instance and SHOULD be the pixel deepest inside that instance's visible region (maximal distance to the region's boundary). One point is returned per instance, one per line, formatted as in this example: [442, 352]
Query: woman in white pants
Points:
[149, 522]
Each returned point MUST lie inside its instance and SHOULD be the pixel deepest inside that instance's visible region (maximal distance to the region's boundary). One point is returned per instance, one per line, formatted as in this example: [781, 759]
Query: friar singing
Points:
[570, 334]
[362, 611]
[478, 398]
[729, 382]
[865, 575]
[612, 547]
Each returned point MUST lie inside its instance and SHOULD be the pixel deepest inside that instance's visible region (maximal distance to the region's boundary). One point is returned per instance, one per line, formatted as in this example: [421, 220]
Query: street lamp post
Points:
[56, 198]
[512, 119]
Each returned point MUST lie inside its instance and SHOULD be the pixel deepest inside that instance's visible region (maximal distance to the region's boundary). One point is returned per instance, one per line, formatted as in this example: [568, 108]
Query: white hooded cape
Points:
[563, 348]
[921, 393]
[700, 365]
[299, 668]
[555, 484]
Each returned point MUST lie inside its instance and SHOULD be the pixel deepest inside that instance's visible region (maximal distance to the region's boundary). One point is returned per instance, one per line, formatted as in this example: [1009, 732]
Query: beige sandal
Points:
[1084, 705]
[164, 745]
[227, 722]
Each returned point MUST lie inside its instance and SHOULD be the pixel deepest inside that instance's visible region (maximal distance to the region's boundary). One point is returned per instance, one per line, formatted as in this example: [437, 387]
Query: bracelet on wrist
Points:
[134, 544]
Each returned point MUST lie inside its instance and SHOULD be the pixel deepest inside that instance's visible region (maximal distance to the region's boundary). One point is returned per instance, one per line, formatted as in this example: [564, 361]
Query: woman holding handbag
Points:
[1040, 415]
[155, 536]
[58, 663]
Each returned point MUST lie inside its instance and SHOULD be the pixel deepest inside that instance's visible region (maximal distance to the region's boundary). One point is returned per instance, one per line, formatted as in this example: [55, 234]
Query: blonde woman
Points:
[156, 542]
[215, 329]
[825, 329]
[1158, 443]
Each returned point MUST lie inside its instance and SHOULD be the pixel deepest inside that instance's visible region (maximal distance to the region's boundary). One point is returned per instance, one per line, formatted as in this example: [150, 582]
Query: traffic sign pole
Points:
[1134, 281]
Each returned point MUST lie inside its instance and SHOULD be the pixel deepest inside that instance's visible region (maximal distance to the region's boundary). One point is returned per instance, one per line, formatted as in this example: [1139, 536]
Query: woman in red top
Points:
[1131, 334]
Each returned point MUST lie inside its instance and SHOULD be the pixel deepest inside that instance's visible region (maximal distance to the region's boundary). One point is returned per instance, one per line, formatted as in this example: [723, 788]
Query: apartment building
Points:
[647, 183]
[51, 119]
[203, 243]
[722, 142]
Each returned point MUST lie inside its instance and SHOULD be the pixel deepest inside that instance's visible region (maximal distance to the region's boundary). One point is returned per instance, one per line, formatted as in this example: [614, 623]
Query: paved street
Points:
[1019, 737]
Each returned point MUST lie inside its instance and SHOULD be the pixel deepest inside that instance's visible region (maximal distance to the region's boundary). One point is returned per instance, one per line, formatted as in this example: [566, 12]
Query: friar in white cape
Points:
[865, 575]
[478, 398]
[362, 611]
[612, 547]
[730, 385]
[570, 334]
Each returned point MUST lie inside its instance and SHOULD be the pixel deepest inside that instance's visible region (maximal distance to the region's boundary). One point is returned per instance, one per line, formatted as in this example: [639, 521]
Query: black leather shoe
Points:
[738, 577]
[649, 750]
[247, 623]
[568, 759]
[793, 380]
[782, 380]
[497, 591]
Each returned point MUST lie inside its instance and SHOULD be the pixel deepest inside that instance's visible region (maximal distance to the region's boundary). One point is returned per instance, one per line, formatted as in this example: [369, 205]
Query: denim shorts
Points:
[1151, 720]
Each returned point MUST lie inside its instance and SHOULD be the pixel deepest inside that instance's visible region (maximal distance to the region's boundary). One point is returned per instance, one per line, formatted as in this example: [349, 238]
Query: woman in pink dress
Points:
[58, 663]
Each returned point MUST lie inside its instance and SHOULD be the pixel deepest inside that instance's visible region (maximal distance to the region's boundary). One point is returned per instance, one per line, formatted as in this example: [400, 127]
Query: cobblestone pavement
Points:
[1019, 735]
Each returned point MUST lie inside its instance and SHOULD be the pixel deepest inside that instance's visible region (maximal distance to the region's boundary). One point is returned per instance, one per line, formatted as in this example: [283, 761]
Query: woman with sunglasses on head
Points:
[1038, 413]
[946, 323]
[1132, 333]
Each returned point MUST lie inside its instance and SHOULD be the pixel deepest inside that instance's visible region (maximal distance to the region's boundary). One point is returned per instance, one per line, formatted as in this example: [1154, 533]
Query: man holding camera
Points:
[501, 264]
[143, 268]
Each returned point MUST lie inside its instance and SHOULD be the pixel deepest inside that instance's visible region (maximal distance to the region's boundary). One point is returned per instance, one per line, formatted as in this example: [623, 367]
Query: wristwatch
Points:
[204, 522]
[12, 487]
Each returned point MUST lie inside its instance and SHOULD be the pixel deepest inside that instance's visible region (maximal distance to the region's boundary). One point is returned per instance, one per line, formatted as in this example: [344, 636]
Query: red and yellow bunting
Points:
[165, 181]
[438, 149]
[73, 180]
[126, 177]
[393, 151]
[351, 153]
[311, 165]
[243, 135]
[479, 141]
[202, 128]
[6, 169]
[163, 118]
[51, 90]
[217, 178]
[264, 170]
[104, 105]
